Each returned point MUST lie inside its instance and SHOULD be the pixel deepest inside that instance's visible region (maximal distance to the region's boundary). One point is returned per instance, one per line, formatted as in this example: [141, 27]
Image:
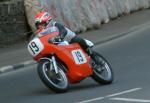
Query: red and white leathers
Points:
[64, 32]
[43, 22]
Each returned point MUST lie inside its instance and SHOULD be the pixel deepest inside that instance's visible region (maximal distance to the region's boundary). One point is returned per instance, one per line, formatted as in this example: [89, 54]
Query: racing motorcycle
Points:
[61, 64]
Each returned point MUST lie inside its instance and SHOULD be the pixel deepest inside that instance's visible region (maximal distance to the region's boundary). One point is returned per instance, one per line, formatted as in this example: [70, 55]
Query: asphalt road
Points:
[130, 60]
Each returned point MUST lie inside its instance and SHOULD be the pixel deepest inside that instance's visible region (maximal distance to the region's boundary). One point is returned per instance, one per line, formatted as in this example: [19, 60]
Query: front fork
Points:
[53, 64]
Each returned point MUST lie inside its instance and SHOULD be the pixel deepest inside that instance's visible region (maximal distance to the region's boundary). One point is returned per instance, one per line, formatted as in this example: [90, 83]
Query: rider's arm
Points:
[62, 30]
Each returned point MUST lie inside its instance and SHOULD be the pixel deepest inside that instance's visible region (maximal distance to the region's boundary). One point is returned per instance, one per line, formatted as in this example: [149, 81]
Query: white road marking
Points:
[91, 100]
[131, 100]
[108, 96]
[6, 68]
[124, 92]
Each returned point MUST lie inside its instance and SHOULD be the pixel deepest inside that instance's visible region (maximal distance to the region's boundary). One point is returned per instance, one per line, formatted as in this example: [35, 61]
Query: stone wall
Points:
[81, 15]
[13, 23]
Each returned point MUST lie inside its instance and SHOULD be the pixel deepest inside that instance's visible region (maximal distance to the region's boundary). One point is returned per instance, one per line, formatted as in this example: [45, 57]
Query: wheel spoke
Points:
[57, 80]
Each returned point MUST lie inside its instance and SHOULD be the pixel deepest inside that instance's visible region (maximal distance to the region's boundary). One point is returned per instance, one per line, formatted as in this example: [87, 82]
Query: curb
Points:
[16, 66]
[31, 62]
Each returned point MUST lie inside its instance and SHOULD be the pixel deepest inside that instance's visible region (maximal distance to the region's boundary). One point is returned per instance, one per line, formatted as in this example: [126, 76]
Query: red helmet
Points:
[42, 19]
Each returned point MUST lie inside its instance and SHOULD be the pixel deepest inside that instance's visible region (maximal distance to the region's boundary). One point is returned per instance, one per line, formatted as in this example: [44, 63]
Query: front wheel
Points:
[102, 71]
[56, 82]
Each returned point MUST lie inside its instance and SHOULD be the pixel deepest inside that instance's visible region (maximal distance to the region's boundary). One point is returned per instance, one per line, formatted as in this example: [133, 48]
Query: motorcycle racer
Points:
[59, 66]
[43, 23]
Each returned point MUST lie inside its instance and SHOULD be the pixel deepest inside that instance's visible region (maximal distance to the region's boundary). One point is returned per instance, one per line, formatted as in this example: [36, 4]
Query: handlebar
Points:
[54, 40]
[58, 40]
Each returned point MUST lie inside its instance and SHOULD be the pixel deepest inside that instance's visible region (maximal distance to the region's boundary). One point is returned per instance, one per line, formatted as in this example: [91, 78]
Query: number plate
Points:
[35, 47]
[79, 57]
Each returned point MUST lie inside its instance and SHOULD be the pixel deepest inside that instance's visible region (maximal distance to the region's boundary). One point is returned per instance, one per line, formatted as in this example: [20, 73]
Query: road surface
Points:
[129, 57]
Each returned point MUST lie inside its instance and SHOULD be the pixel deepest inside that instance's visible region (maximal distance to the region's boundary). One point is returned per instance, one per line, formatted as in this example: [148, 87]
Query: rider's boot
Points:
[82, 43]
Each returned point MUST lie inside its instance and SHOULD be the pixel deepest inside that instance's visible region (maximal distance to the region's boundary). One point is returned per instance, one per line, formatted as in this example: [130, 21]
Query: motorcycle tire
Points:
[56, 82]
[101, 65]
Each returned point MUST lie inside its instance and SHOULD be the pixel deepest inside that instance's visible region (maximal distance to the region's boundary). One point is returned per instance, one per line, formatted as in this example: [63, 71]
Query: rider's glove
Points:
[58, 39]
[55, 39]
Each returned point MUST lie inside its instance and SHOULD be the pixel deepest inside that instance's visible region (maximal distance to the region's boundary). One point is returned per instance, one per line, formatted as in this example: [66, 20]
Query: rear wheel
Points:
[102, 71]
[56, 82]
